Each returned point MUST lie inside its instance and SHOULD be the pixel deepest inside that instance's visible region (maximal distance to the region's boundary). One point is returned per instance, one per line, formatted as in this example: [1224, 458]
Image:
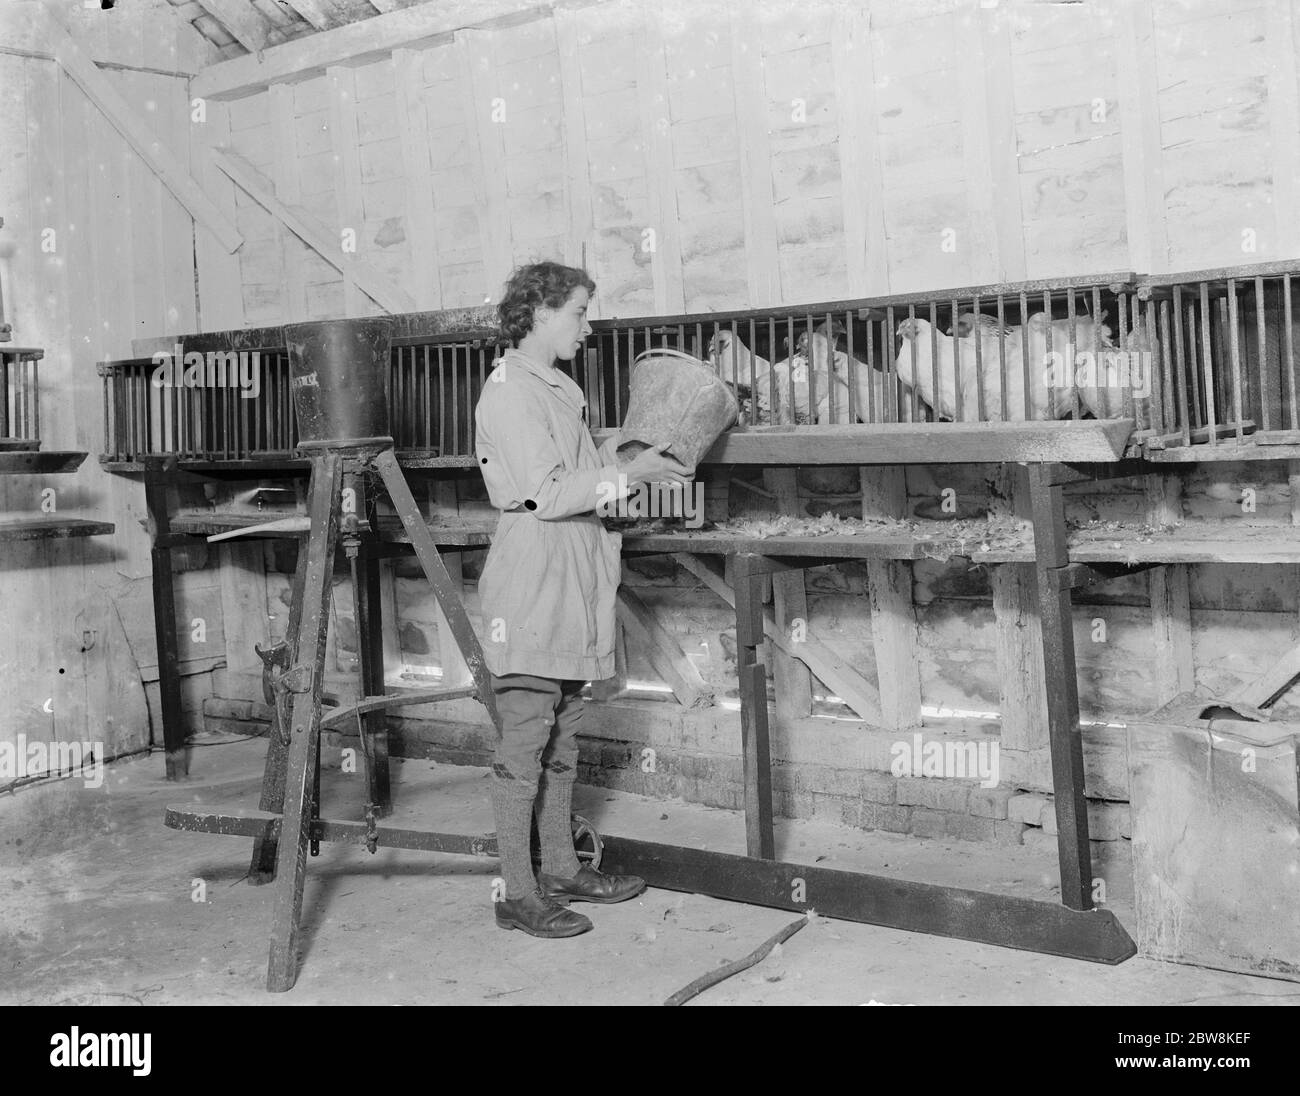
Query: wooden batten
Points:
[580, 240]
[989, 147]
[893, 615]
[423, 282]
[486, 155]
[762, 263]
[1169, 590]
[284, 172]
[1139, 118]
[861, 172]
[656, 140]
[344, 142]
[221, 301]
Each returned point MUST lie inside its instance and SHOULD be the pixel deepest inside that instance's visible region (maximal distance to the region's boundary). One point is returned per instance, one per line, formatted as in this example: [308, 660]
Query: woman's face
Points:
[565, 328]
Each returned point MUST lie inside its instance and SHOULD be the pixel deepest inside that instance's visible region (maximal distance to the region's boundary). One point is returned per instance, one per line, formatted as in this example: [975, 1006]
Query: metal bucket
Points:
[678, 401]
[339, 372]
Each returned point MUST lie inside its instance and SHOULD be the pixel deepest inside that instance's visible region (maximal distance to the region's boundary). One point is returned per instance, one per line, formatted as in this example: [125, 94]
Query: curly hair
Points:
[532, 286]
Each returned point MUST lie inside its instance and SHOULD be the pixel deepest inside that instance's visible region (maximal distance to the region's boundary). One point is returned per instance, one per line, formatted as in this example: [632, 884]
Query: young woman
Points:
[547, 589]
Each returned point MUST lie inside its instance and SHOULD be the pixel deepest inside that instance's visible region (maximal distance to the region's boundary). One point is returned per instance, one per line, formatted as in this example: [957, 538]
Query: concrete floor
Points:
[98, 909]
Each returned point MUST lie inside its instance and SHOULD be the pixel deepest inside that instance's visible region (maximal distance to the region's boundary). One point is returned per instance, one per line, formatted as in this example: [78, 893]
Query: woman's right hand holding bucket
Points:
[652, 466]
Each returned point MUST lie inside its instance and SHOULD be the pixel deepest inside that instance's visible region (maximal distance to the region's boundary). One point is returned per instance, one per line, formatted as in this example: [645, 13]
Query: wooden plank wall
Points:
[76, 652]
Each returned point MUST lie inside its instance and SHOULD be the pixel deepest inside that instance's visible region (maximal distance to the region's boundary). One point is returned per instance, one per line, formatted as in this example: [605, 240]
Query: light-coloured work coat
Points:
[547, 589]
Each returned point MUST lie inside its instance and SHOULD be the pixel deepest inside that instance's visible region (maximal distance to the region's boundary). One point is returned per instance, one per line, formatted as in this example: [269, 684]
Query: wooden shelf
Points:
[46, 528]
[978, 541]
[48, 463]
[1090, 441]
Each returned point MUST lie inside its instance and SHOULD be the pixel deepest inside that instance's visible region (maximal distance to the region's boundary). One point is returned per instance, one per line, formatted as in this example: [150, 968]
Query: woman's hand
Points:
[651, 466]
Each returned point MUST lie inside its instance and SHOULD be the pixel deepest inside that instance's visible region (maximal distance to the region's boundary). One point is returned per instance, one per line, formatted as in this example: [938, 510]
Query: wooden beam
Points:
[850, 686]
[315, 12]
[1139, 127]
[369, 39]
[893, 615]
[314, 234]
[861, 170]
[762, 255]
[166, 166]
[663, 650]
[251, 29]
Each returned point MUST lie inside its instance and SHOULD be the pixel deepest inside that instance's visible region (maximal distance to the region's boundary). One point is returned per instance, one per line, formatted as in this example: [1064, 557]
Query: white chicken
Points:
[770, 384]
[926, 361]
[982, 344]
[868, 384]
[732, 361]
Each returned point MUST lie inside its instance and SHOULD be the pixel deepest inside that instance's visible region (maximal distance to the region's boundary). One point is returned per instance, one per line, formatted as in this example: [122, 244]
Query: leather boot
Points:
[537, 915]
[590, 885]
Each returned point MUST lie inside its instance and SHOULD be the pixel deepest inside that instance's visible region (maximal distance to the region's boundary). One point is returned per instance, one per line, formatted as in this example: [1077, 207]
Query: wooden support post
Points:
[759, 839]
[1019, 635]
[1059, 673]
[1168, 588]
[893, 615]
[160, 498]
[790, 608]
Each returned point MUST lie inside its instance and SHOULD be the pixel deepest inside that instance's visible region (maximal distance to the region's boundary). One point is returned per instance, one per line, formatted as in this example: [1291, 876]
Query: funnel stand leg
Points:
[265, 849]
[305, 680]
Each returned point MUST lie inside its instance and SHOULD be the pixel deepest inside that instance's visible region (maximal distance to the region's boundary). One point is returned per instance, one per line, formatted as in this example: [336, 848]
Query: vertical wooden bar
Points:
[1288, 354]
[862, 189]
[893, 615]
[1054, 609]
[758, 204]
[1233, 335]
[1207, 364]
[790, 603]
[759, 838]
[284, 173]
